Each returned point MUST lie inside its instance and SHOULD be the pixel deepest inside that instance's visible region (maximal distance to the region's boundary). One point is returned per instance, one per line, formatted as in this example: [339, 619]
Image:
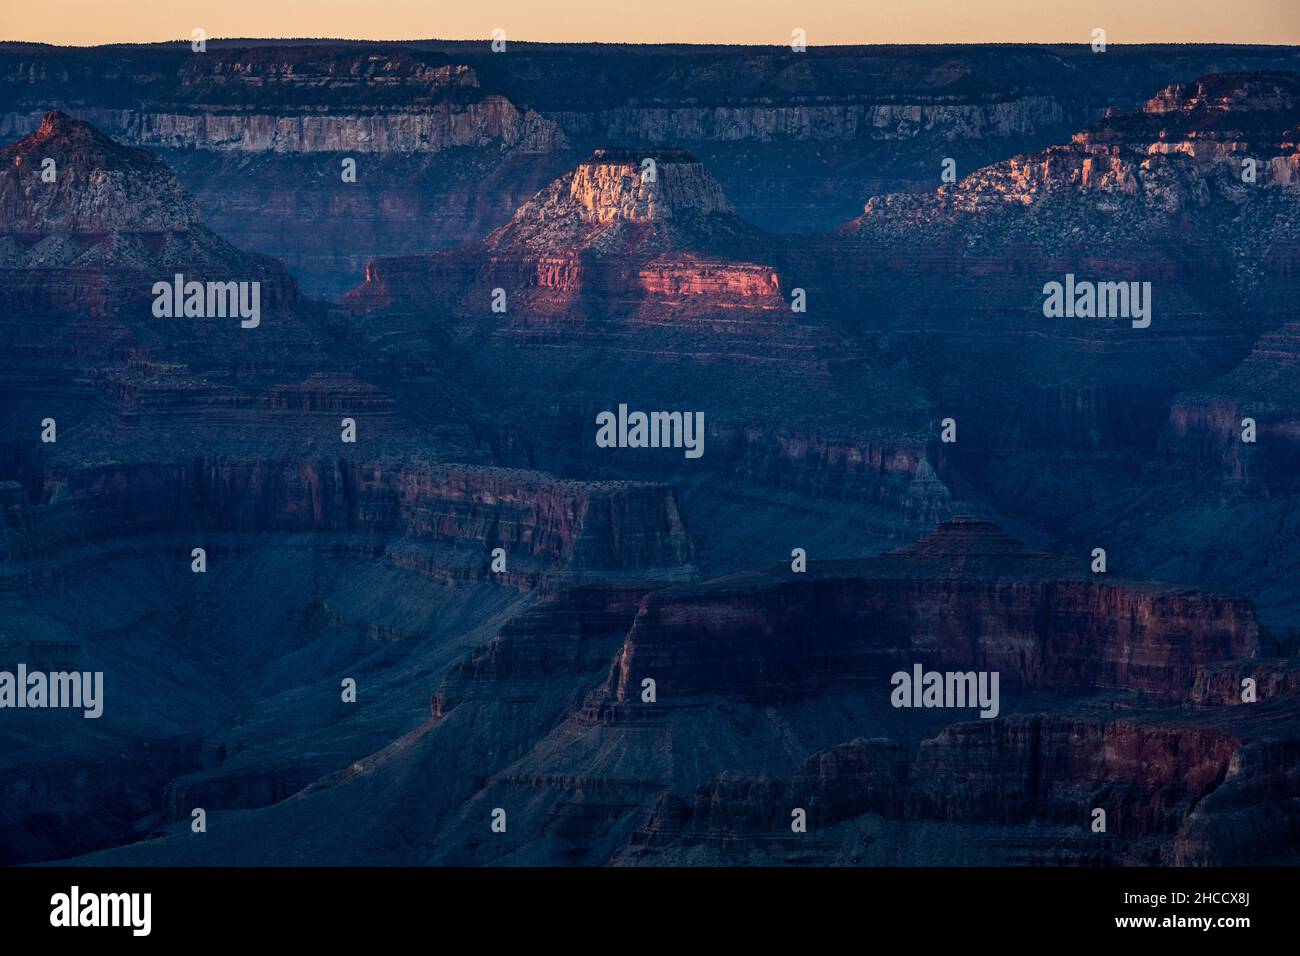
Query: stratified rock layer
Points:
[965, 598]
[544, 525]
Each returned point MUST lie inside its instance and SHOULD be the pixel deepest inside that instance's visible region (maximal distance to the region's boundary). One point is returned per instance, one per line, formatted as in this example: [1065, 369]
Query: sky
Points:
[826, 22]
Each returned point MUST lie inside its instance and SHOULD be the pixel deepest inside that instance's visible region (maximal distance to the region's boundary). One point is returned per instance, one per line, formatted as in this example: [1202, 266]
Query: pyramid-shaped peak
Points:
[966, 536]
[68, 178]
[57, 121]
[58, 128]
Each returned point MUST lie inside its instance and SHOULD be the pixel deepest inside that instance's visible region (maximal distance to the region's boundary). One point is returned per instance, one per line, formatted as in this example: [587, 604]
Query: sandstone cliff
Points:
[406, 512]
[965, 598]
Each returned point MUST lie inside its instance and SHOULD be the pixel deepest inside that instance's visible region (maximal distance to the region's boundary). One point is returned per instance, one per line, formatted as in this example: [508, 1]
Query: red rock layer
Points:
[551, 644]
[544, 524]
[966, 598]
[1222, 684]
[604, 237]
[1173, 791]
[674, 277]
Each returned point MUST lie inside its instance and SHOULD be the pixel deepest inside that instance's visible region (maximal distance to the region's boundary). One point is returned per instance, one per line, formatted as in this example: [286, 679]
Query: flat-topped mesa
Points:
[311, 99]
[639, 186]
[1229, 92]
[322, 73]
[1213, 119]
[967, 597]
[294, 100]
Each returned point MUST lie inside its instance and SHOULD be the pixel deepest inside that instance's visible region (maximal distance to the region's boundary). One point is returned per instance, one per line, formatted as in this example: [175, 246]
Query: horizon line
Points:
[487, 40]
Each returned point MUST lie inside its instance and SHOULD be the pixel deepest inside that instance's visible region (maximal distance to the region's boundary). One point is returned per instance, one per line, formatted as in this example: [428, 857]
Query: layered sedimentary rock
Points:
[1200, 167]
[896, 470]
[1093, 206]
[627, 240]
[630, 280]
[623, 224]
[260, 134]
[1028, 768]
[1152, 202]
[104, 188]
[492, 122]
[571, 635]
[1024, 790]
[798, 140]
[1178, 785]
[546, 526]
[1242, 431]
[784, 751]
[1185, 143]
[676, 278]
[768, 690]
[846, 121]
[323, 99]
[737, 810]
[315, 570]
[143, 334]
[1246, 682]
[965, 598]
[138, 330]
[639, 780]
[89, 224]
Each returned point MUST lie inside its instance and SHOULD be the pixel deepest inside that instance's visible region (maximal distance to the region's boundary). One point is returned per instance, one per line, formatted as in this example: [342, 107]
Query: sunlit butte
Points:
[827, 22]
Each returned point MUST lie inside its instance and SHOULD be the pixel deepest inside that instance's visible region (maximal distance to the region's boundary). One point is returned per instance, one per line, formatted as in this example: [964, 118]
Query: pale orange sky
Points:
[827, 22]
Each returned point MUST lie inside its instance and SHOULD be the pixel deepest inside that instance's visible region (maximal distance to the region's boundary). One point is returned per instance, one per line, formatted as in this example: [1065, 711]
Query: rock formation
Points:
[450, 139]
[672, 659]
[964, 598]
[638, 284]
[714, 767]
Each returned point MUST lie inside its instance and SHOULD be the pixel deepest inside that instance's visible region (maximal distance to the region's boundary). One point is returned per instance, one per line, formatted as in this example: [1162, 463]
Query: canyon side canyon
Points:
[392, 478]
